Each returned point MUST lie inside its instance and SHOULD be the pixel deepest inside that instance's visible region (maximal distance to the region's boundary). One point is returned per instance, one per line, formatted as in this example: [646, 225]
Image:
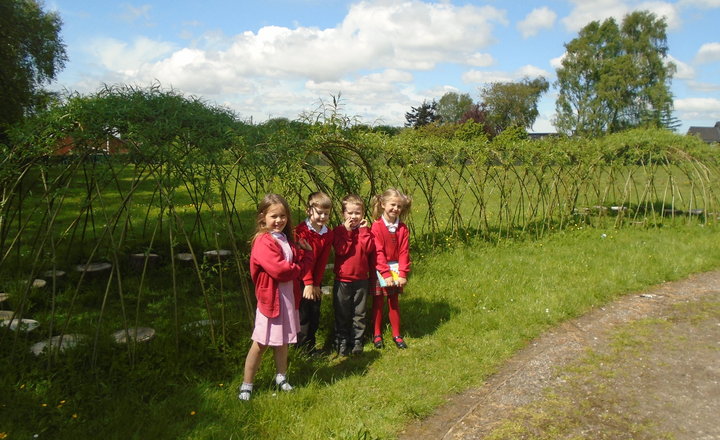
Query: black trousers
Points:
[349, 302]
[309, 322]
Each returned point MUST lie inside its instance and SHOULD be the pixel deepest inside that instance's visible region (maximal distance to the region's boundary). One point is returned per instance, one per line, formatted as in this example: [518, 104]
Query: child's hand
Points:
[317, 291]
[390, 281]
[363, 223]
[348, 223]
[304, 244]
[309, 292]
[401, 281]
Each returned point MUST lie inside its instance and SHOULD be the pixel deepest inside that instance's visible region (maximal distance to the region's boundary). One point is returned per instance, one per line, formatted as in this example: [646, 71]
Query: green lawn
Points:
[465, 311]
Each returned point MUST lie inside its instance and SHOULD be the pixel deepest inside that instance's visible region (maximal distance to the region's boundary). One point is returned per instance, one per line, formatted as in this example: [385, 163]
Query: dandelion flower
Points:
[192, 413]
[75, 416]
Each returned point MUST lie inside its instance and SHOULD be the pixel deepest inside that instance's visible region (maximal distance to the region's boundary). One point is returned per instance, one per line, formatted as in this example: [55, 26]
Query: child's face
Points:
[318, 216]
[354, 213]
[392, 207]
[275, 218]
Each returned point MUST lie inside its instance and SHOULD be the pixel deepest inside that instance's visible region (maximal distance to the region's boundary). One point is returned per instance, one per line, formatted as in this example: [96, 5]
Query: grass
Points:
[466, 310]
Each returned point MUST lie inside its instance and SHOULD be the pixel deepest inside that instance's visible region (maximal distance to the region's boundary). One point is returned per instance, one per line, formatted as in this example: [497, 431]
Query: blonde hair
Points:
[265, 204]
[379, 199]
[354, 199]
[319, 199]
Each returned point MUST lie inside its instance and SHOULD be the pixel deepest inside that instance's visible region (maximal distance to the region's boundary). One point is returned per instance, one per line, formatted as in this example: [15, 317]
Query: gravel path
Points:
[660, 379]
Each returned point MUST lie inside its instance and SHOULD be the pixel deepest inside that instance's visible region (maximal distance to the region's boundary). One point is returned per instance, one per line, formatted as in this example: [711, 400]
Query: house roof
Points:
[707, 134]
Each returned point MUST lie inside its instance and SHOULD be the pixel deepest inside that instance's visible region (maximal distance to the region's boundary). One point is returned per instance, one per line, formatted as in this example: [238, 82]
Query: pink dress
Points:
[282, 329]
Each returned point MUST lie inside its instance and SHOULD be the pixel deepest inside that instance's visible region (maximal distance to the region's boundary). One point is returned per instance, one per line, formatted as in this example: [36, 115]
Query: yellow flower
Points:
[192, 413]
[43, 405]
[75, 416]
[3, 435]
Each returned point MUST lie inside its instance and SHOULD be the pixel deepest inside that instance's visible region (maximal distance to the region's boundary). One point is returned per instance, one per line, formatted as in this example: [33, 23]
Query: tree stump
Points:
[94, 270]
[59, 343]
[137, 261]
[134, 334]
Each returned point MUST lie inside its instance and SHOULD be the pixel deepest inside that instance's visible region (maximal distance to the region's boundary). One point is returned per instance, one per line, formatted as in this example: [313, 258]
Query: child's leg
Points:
[281, 365]
[360, 292]
[343, 308]
[252, 361]
[377, 309]
[280, 353]
[394, 313]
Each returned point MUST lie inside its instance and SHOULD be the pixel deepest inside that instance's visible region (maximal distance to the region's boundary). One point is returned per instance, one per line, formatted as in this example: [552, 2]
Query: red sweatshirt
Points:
[321, 245]
[268, 269]
[391, 248]
[354, 254]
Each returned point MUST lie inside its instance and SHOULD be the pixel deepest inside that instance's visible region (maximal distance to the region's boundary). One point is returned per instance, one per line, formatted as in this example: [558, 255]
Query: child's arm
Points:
[268, 254]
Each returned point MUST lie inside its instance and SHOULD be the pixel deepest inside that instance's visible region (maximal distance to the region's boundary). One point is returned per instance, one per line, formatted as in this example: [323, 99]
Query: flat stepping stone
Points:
[696, 212]
[38, 283]
[184, 258]
[137, 261]
[50, 274]
[60, 343]
[326, 290]
[20, 325]
[93, 267]
[218, 253]
[6, 314]
[138, 334]
[4, 296]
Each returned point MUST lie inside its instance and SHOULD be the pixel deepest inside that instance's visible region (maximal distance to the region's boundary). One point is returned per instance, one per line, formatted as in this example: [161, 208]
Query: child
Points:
[315, 232]
[354, 264]
[392, 243]
[275, 273]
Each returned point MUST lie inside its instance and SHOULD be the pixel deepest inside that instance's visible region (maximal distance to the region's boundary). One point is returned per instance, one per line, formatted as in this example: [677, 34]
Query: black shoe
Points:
[378, 341]
[357, 348]
[399, 342]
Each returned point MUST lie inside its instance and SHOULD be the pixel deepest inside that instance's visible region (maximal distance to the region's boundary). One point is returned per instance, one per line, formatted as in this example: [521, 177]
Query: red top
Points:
[391, 247]
[321, 245]
[354, 254]
[268, 269]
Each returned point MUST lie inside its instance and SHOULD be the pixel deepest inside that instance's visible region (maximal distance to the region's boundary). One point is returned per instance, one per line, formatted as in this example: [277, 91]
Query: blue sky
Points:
[281, 58]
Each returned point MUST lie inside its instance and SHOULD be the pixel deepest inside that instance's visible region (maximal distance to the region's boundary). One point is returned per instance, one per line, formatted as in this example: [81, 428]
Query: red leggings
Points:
[393, 313]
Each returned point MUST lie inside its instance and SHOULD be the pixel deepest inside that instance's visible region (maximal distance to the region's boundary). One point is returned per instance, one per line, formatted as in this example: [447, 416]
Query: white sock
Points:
[245, 387]
[279, 379]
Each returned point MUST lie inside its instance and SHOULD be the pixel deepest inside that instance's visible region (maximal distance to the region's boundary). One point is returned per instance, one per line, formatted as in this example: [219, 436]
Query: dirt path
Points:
[645, 366]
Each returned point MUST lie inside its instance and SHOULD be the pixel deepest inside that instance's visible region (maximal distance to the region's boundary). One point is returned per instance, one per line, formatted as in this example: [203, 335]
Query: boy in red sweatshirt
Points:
[314, 229]
[354, 263]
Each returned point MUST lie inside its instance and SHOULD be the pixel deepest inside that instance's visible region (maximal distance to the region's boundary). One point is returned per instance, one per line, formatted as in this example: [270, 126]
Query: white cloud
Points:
[132, 13]
[485, 77]
[536, 20]
[480, 60]
[708, 53]
[698, 109]
[702, 4]
[584, 12]
[684, 70]
[556, 63]
[127, 59]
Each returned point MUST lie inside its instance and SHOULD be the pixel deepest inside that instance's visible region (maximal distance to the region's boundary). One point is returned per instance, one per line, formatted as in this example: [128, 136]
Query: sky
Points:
[284, 58]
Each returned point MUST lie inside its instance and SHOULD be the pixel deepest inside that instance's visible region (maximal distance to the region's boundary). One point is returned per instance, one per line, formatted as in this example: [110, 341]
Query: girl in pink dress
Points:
[276, 273]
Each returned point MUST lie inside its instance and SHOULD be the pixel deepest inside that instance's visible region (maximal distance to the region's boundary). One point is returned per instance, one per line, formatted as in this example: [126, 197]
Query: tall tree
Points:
[452, 106]
[513, 104]
[615, 77]
[31, 55]
[425, 114]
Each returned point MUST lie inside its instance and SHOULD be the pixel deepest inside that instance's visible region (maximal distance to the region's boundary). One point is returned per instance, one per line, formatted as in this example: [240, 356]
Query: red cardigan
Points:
[321, 245]
[385, 250]
[354, 254]
[268, 269]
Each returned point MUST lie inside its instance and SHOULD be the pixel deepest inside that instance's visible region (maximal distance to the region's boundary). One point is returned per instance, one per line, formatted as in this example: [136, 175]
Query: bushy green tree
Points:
[513, 104]
[615, 77]
[452, 106]
[31, 55]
